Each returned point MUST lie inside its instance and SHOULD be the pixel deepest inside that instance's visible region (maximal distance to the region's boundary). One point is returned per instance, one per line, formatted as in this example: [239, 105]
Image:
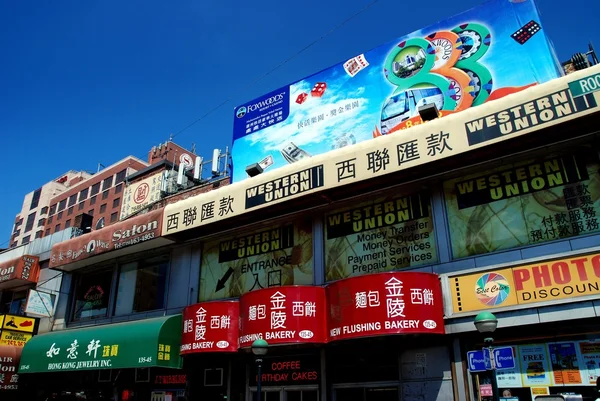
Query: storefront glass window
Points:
[524, 203]
[92, 294]
[388, 233]
[142, 285]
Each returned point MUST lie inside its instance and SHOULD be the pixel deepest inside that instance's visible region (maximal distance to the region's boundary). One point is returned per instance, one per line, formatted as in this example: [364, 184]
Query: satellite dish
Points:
[100, 223]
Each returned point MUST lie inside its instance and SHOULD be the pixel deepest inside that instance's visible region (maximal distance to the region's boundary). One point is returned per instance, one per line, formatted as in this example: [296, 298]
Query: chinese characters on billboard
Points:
[272, 257]
[524, 203]
[210, 327]
[385, 303]
[462, 62]
[284, 315]
[386, 234]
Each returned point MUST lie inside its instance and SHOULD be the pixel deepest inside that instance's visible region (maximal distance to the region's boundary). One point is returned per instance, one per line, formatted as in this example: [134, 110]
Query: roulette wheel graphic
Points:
[492, 289]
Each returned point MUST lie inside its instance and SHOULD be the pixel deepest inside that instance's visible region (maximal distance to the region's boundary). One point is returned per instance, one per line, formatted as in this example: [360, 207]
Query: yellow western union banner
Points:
[574, 277]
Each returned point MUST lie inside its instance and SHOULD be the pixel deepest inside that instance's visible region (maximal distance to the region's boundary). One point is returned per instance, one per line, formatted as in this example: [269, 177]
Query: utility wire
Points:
[284, 62]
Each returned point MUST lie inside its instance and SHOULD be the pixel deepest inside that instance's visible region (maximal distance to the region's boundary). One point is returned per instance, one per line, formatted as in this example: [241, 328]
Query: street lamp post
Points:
[259, 349]
[486, 324]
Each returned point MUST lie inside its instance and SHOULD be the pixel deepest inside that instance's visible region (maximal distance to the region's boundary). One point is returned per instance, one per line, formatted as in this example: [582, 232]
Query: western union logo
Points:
[524, 179]
[378, 215]
[527, 115]
[256, 244]
[285, 187]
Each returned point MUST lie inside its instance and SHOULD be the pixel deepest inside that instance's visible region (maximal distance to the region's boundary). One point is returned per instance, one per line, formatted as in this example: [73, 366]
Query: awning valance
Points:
[138, 344]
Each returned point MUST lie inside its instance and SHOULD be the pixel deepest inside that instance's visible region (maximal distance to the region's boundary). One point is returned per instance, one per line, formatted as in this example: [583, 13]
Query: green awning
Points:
[138, 344]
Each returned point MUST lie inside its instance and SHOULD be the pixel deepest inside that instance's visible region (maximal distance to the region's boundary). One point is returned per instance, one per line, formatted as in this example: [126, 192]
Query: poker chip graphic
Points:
[492, 289]
[448, 48]
[476, 40]
[481, 83]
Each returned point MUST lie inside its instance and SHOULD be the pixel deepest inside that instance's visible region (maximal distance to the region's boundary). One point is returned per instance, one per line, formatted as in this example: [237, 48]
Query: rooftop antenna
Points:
[193, 148]
[170, 137]
[100, 165]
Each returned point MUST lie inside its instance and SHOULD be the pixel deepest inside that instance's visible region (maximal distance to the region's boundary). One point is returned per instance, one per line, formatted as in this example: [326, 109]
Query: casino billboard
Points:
[462, 62]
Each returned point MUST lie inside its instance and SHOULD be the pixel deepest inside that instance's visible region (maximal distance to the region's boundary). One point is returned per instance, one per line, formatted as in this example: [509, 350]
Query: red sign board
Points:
[116, 236]
[9, 363]
[385, 303]
[25, 268]
[210, 327]
[283, 315]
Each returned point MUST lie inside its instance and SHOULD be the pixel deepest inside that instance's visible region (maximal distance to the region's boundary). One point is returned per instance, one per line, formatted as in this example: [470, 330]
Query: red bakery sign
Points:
[385, 303]
[210, 327]
[283, 315]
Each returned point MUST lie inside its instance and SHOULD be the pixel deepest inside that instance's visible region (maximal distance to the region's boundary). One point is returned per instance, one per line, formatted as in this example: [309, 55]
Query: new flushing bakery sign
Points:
[363, 306]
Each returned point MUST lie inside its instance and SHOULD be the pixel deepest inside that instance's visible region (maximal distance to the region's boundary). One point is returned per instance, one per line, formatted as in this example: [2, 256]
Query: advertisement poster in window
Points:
[510, 377]
[565, 363]
[268, 257]
[388, 233]
[590, 359]
[535, 367]
[524, 203]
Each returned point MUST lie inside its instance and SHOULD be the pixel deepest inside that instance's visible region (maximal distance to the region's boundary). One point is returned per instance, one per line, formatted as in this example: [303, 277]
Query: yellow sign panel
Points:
[574, 277]
[14, 338]
[18, 323]
[1, 320]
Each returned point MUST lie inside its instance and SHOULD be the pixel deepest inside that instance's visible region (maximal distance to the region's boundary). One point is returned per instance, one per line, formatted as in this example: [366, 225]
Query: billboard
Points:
[456, 64]
[143, 193]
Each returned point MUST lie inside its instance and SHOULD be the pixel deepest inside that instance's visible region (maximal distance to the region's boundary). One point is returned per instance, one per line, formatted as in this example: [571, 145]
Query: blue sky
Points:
[85, 82]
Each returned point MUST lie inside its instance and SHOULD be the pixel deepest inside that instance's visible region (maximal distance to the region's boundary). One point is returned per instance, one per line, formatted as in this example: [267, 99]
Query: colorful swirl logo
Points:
[492, 289]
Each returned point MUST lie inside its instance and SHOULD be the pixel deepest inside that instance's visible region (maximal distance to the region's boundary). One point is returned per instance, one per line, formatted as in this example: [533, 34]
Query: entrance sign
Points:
[385, 303]
[270, 257]
[284, 315]
[210, 327]
[523, 113]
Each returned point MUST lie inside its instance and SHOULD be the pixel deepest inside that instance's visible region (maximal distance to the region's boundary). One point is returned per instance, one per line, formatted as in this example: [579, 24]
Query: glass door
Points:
[367, 393]
[268, 394]
[299, 394]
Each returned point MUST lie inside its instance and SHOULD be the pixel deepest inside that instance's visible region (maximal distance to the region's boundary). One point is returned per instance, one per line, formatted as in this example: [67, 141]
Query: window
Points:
[121, 176]
[62, 204]
[30, 221]
[57, 228]
[59, 215]
[17, 233]
[102, 208]
[107, 183]
[70, 211]
[39, 234]
[19, 222]
[116, 202]
[95, 189]
[41, 222]
[522, 204]
[104, 195]
[118, 189]
[83, 194]
[67, 223]
[114, 217]
[50, 219]
[72, 200]
[25, 240]
[81, 206]
[35, 200]
[92, 200]
[44, 210]
[91, 212]
[142, 285]
[47, 233]
[52, 209]
[92, 293]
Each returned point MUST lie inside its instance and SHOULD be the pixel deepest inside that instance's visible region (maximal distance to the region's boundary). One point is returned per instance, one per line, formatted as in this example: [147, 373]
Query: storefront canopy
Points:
[140, 344]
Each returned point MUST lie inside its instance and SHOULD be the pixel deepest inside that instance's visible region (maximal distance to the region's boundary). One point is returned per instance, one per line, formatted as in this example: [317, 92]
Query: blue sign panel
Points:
[476, 362]
[504, 358]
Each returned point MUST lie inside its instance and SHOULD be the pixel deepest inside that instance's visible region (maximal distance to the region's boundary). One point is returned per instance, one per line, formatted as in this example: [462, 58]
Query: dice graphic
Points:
[318, 89]
[301, 98]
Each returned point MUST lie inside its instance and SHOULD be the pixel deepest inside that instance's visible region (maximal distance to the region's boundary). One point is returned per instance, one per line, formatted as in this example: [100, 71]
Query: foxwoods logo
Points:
[272, 101]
